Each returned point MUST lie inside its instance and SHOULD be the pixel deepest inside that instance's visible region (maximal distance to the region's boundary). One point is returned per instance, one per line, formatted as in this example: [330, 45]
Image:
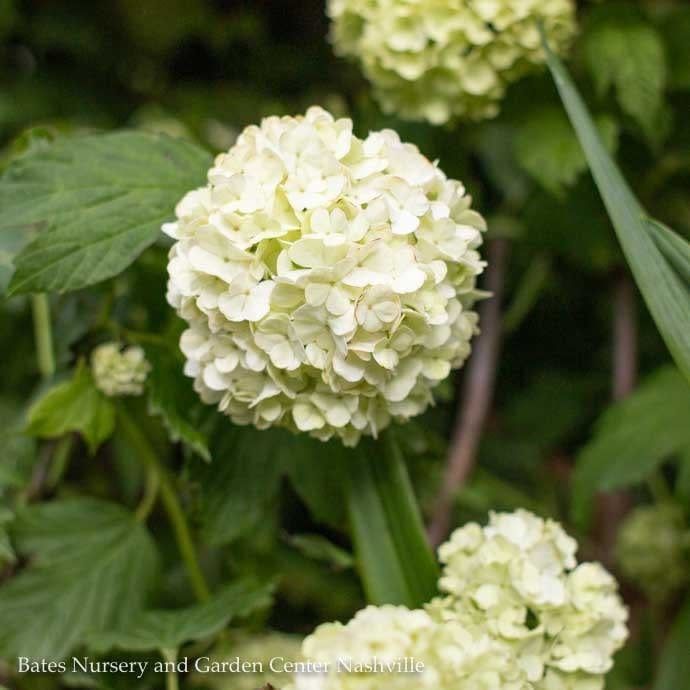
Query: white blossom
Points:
[518, 579]
[327, 280]
[118, 371]
[452, 59]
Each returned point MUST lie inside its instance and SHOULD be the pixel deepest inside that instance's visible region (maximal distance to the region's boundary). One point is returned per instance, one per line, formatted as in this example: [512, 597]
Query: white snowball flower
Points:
[437, 60]
[118, 371]
[396, 648]
[518, 579]
[327, 280]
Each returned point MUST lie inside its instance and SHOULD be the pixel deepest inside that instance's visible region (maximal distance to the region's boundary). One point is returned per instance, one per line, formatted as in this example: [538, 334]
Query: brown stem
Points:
[613, 506]
[477, 393]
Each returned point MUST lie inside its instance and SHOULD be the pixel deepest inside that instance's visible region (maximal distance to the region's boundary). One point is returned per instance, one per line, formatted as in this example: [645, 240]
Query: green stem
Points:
[148, 500]
[171, 680]
[60, 460]
[43, 335]
[172, 506]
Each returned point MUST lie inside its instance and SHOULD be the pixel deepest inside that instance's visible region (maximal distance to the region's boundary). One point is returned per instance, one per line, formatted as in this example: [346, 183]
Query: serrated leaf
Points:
[674, 666]
[667, 296]
[75, 405]
[168, 630]
[318, 548]
[546, 147]
[633, 437]
[99, 200]
[91, 567]
[625, 52]
[172, 398]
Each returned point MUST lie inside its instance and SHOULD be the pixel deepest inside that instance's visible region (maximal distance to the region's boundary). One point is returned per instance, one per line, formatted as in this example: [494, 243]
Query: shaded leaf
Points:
[168, 630]
[91, 567]
[626, 53]
[674, 666]
[99, 200]
[74, 405]
[7, 555]
[318, 548]
[172, 398]
[547, 148]
[633, 437]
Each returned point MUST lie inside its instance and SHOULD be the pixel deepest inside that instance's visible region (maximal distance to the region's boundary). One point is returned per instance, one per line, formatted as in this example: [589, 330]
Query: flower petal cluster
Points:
[653, 549]
[518, 579]
[443, 59]
[518, 613]
[396, 648]
[327, 280]
[117, 371]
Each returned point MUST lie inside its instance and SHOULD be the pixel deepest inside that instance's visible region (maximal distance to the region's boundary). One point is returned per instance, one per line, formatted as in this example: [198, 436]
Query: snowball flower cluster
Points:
[452, 59]
[653, 549]
[518, 579]
[327, 280]
[518, 613]
[395, 648]
[118, 371]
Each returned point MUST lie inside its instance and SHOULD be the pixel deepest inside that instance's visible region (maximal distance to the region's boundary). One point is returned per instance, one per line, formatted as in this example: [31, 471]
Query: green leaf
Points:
[168, 630]
[318, 548]
[547, 148]
[241, 481]
[91, 567]
[99, 200]
[666, 295]
[633, 437]
[626, 53]
[674, 666]
[172, 397]
[676, 29]
[75, 405]
[7, 555]
[673, 247]
[394, 559]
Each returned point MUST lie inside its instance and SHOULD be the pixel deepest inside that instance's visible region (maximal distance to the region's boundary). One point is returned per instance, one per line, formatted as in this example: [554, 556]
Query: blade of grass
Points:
[666, 294]
[673, 247]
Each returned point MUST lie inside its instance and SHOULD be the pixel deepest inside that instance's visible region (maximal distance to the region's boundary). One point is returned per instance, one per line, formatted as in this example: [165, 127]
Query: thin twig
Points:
[613, 506]
[477, 394]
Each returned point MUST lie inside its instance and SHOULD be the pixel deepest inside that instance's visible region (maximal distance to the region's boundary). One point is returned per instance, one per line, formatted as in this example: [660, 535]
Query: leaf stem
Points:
[148, 500]
[43, 334]
[171, 680]
[171, 503]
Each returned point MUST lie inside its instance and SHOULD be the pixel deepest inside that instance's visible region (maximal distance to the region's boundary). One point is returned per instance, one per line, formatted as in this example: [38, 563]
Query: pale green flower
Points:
[653, 549]
[395, 648]
[518, 580]
[118, 371]
[328, 281]
[443, 59]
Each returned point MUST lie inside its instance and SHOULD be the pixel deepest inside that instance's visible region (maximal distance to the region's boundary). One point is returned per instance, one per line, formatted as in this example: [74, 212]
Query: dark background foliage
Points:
[575, 337]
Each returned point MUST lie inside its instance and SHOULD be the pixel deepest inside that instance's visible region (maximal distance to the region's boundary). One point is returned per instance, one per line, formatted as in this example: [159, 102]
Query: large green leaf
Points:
[633, 437]
[168, 630]
[74, 405]
[98, 201]
[91, 568]
[665, 293]
[674, 666]
[395, 561]
[673, 247]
